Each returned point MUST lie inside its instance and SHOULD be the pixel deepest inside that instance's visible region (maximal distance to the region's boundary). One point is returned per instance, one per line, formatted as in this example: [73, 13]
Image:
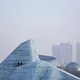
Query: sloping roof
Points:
[46, 58]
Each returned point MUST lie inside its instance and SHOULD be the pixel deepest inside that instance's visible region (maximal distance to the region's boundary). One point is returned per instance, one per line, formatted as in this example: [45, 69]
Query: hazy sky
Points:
[47, 22]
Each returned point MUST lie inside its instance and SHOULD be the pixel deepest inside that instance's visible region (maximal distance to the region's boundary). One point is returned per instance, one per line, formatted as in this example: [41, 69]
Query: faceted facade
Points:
[24, 64]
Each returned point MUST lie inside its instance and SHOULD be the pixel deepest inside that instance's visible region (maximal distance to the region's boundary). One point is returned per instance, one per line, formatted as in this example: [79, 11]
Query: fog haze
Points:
[47, 22]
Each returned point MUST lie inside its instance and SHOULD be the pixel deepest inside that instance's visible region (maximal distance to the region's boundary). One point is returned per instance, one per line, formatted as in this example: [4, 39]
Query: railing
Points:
[69, 75]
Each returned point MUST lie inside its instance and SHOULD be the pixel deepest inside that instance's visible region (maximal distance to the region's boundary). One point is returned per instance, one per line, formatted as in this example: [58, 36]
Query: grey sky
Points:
[45, 21]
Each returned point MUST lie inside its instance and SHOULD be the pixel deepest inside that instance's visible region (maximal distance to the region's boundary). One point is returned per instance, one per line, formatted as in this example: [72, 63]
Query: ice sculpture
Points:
[24, 64]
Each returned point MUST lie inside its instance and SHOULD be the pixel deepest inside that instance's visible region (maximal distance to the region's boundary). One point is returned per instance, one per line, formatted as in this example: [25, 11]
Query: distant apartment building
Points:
[63, 53]
[78, 53]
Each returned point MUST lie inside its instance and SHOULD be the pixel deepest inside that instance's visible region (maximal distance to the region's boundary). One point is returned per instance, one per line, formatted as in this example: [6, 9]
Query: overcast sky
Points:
[47, 22]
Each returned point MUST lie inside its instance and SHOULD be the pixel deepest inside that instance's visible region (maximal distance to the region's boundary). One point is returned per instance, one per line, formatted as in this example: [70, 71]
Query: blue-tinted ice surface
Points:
[24, 64]
[38, 70]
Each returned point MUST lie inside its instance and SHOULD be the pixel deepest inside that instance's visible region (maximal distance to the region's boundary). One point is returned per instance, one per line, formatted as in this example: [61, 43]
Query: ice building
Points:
[24, 63]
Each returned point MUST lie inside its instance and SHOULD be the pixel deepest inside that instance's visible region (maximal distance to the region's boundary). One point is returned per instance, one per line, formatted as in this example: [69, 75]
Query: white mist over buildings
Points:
[78, 52]
[66, 53]
[73, 53]
[63, 53]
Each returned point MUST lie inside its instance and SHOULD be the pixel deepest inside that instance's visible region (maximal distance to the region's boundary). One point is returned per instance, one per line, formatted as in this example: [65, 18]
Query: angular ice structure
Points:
[24, 64]
[23, 54]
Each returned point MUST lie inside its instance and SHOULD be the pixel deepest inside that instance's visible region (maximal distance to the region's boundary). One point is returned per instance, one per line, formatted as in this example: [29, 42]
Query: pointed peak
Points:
[26, 51]
[30, 49]
[30, 41]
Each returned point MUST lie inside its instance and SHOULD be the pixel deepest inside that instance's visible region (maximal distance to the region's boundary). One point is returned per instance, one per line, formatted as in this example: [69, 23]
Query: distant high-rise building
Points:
[78, 53]
[63, 53]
